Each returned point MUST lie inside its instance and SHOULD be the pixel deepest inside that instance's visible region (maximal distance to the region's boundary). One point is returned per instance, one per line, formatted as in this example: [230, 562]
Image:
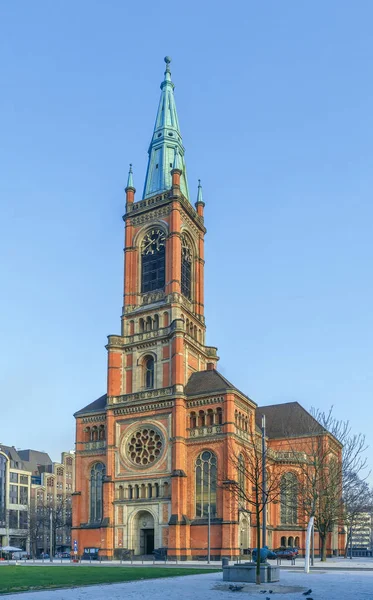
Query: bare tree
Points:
[331, 459]
[251, 491]
[49, 517]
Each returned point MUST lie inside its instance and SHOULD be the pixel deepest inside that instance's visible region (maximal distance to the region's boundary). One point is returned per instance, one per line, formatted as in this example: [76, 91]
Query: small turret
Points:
[200, 205]
[130, 188]
[176, 170]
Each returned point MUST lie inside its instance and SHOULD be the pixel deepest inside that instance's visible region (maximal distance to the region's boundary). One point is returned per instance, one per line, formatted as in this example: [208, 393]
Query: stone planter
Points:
[247, 572]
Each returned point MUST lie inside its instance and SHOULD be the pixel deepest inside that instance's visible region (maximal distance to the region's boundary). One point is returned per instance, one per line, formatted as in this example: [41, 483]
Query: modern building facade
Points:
[15, 487]
[52, 485]
[153, 452]
[34, 491]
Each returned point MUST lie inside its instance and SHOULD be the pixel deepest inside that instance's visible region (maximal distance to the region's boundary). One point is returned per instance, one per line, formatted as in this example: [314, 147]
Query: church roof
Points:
[205, 382]
[289, 419]
[98, 405]
[165, 140]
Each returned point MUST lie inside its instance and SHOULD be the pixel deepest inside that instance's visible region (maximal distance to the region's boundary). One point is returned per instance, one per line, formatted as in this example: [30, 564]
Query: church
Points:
[153, 451]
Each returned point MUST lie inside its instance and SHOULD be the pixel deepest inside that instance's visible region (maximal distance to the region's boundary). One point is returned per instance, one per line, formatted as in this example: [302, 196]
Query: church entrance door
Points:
[143, 531]
[148, 540]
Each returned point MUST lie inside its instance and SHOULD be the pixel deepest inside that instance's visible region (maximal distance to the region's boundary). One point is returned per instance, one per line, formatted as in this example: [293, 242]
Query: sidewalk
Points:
[339, 564]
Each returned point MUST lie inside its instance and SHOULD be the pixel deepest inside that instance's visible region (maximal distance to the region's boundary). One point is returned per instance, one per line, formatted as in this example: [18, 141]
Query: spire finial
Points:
[130, 178]
[167, 73]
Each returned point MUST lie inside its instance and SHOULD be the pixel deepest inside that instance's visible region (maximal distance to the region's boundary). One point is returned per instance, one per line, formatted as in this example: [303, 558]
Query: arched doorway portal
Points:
[143, 532]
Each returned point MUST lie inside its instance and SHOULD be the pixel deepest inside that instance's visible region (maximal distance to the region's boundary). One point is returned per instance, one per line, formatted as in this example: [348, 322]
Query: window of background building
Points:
[13, 519]
[13, 477]
[23, 519]
[13, 494]
[23, 479]
[2, 488]
[23, 494]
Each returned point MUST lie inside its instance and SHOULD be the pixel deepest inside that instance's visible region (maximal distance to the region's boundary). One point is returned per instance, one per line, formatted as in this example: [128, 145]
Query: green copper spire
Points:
[166, 139]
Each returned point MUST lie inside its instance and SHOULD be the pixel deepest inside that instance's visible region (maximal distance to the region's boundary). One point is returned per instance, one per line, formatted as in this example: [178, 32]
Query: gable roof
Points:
[207, 382]
[289, 419]
[98, 405]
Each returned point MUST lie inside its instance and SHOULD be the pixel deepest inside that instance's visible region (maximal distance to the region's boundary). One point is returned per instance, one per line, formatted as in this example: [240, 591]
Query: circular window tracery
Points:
[144, 446]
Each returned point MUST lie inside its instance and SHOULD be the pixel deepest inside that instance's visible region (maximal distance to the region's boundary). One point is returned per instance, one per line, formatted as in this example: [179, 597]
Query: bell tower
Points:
[162, 338]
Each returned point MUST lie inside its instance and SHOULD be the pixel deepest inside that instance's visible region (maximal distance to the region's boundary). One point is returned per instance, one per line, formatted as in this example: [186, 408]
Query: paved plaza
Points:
[328, 584]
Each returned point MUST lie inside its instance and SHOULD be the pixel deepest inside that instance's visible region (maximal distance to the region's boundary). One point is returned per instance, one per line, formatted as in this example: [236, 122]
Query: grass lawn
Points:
[23, 578]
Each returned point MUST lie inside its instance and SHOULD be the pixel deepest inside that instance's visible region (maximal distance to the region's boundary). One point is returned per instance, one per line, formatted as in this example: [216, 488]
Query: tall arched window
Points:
[186, 267]
[96, 496]
[149, 372]
[153, 260]
[289, 498]
[206, 484]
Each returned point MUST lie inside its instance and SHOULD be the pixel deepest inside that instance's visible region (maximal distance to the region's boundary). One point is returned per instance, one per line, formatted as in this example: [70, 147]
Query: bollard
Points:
[225, 562]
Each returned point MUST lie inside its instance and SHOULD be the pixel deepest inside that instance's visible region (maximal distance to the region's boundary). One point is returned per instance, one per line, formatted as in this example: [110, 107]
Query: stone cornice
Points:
[142, 408]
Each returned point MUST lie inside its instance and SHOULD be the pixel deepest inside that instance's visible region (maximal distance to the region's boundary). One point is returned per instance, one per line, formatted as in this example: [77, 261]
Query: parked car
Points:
[63, 555]
[44, 555]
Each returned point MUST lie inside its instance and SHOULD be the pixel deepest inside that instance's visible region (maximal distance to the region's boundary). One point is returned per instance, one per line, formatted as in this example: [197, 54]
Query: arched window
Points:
[296, 542]
[96, 496]
[206, 484]
[283, 541]
[153, 260]
[219, 412]
[121, 493]
[101, 432]
[156, 322]
[149, 372]
[289, 498]
[186, 267]
[201, 418]
[210, 417]
[193, 420]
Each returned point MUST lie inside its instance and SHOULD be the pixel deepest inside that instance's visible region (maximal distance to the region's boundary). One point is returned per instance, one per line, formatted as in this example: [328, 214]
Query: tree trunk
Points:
[257, 578]
[323, 539]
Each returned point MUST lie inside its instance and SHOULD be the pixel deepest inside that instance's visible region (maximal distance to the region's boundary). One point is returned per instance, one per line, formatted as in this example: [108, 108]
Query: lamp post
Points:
[209, 520]
[51, 535]
[264, 485]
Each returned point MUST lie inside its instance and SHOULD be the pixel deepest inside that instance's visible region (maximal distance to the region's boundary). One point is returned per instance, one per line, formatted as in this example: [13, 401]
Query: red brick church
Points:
[152, 452]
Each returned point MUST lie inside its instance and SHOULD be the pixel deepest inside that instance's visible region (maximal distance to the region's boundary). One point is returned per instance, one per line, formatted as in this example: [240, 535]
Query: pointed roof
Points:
[98, 405]
[166, 138]
[210, 382]
[289, 419]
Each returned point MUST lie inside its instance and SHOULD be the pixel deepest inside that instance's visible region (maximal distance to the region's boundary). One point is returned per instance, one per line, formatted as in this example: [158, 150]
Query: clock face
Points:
[154, 241]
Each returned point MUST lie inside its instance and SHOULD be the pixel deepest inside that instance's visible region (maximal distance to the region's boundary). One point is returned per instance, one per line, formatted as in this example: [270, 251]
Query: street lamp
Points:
[264, 486]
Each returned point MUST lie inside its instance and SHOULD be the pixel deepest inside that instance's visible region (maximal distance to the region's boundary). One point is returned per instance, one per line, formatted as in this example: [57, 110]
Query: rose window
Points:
[144, 446]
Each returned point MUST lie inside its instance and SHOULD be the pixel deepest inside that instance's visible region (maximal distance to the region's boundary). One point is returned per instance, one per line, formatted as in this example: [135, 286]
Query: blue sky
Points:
[275, 107]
